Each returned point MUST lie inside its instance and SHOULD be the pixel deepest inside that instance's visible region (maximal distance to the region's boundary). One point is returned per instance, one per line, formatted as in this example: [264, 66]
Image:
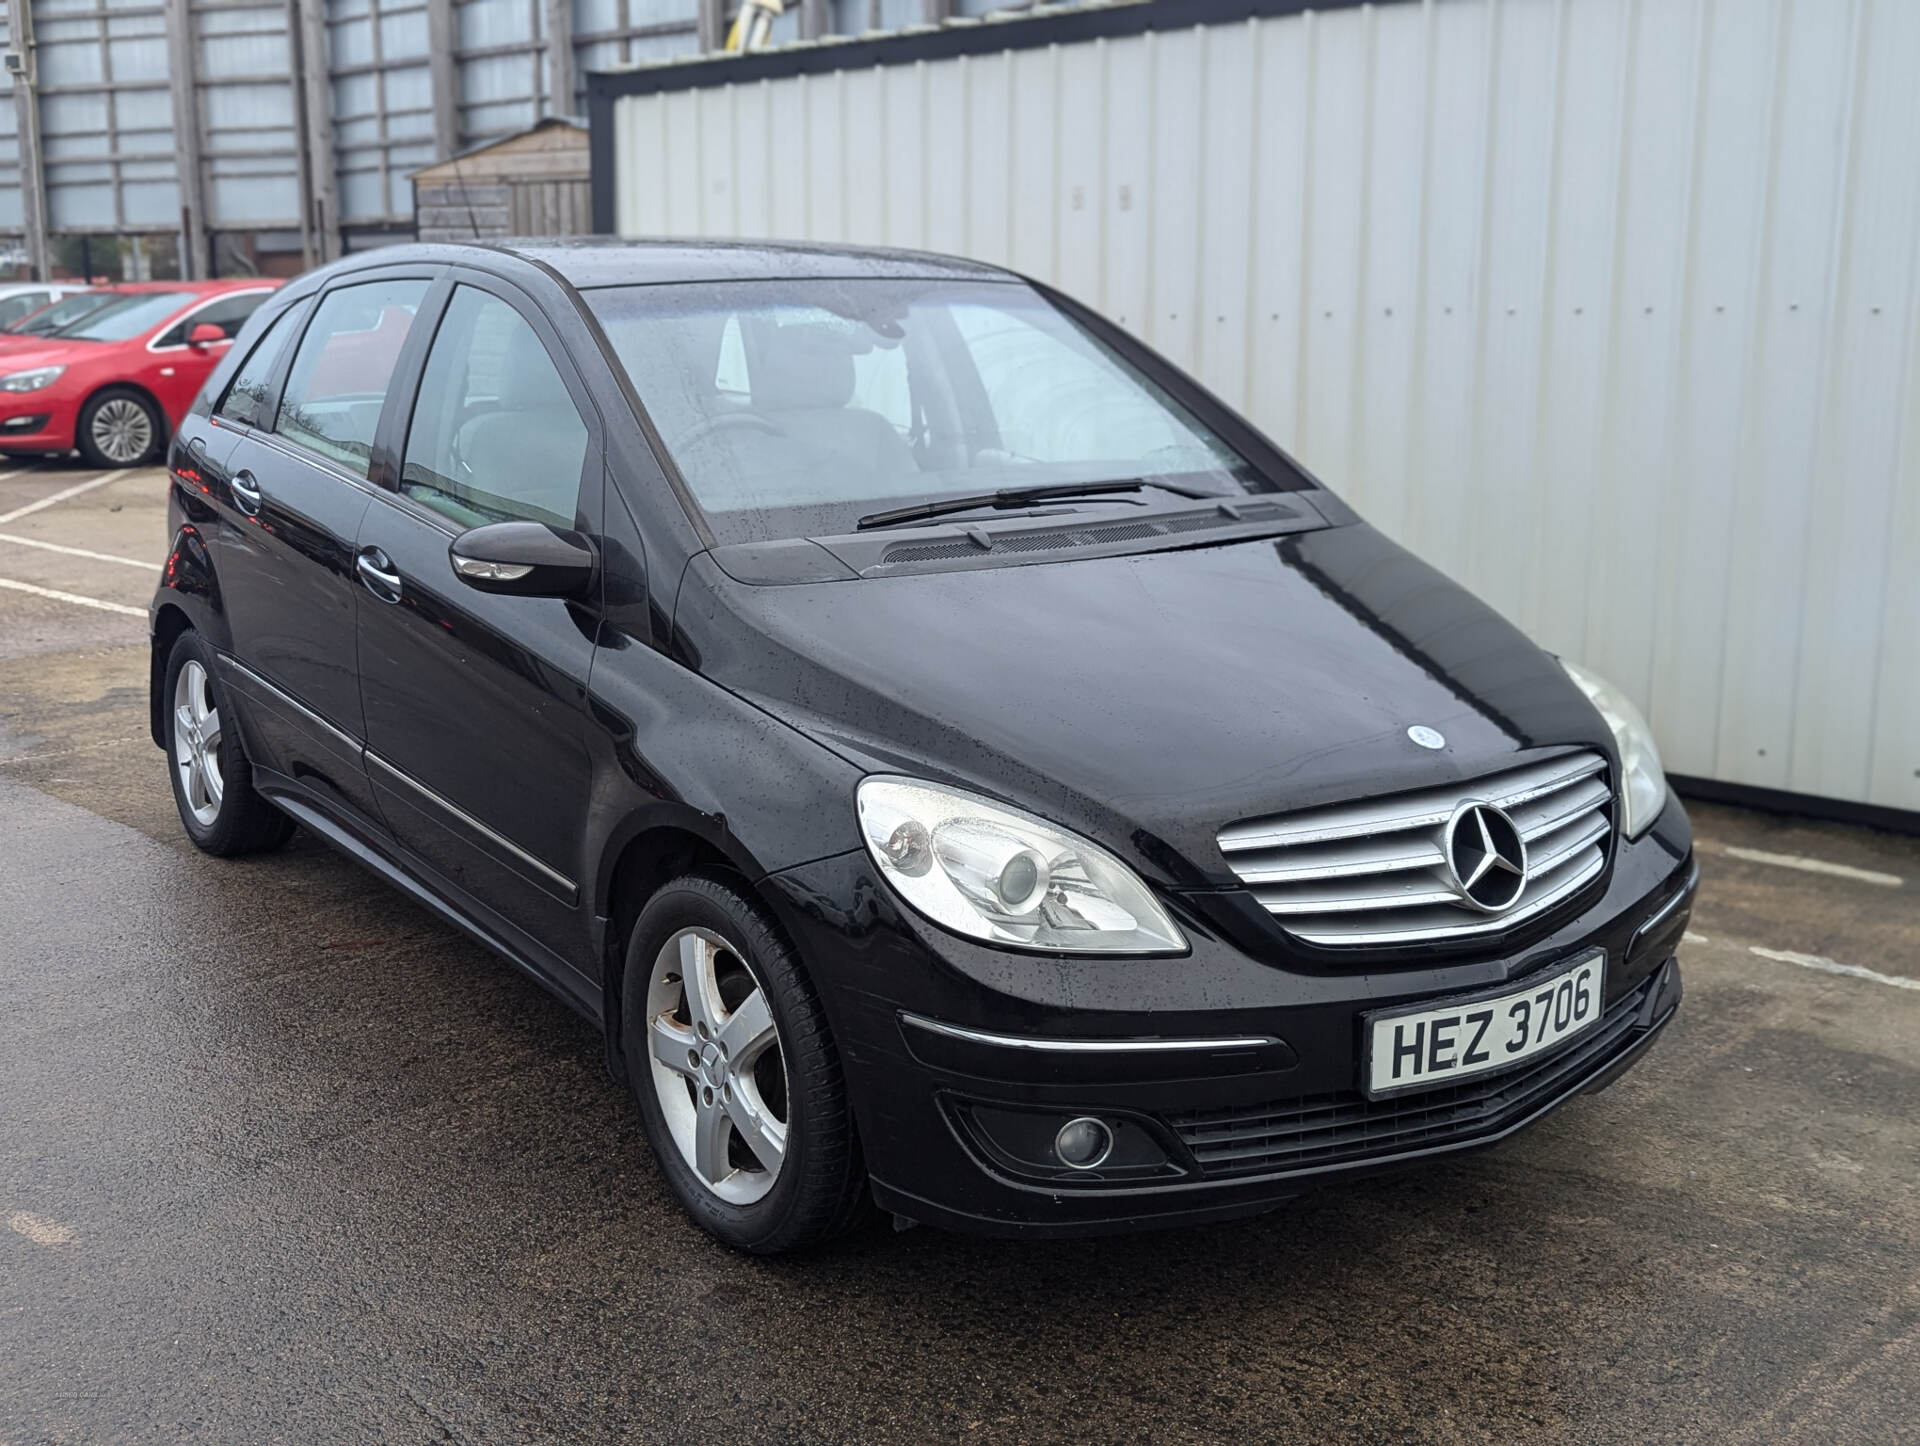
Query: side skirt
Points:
[394, 864]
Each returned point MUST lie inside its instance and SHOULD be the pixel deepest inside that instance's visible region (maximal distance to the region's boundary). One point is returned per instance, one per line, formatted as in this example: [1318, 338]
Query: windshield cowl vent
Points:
[1232, 513]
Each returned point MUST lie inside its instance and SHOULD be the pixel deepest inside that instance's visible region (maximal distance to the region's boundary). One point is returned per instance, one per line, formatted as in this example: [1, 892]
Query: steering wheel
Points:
[723, 421]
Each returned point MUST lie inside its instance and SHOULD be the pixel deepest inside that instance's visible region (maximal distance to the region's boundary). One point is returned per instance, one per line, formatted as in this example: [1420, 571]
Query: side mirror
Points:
[524, 559]
[205, 333]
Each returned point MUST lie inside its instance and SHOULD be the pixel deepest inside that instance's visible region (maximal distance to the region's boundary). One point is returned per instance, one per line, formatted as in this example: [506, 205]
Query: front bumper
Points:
[1230, 1085]
[35, 422]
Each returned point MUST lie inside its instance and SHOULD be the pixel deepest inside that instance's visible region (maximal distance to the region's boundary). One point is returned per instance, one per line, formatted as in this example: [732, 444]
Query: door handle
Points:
[246, 491]
[378, 574]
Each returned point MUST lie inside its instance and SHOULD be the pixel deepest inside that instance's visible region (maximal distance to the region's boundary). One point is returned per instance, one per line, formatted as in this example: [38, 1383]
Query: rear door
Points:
[296, 487]
[474, 703]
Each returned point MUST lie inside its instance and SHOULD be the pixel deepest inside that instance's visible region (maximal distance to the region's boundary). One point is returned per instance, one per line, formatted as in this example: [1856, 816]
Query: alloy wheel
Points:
[196, 743]
[122, 430]
[717, 1066]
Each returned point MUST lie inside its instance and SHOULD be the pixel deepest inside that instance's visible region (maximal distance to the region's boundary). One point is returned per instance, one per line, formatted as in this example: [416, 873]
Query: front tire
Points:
[738, 1080]
[119, 427]
[212, 780]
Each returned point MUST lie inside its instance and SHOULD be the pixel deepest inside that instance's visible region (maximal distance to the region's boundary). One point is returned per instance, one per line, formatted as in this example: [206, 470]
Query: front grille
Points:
[1334, 1129]
[1373, 873]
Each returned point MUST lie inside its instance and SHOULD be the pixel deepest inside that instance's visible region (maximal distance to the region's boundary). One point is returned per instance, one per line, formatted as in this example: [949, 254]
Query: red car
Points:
[115, 383]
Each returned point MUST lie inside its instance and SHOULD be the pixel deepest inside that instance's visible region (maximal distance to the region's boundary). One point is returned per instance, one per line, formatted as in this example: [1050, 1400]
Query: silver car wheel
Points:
[718, 1070]
[196, 743]
[122, 430]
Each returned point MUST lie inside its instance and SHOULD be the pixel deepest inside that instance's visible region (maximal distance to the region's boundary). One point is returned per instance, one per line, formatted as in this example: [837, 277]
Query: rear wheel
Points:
[737, 1076]
[119, 427]
[212, 781]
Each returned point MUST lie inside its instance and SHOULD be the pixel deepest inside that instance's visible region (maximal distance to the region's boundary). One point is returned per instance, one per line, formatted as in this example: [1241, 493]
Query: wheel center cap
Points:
[713, 1066]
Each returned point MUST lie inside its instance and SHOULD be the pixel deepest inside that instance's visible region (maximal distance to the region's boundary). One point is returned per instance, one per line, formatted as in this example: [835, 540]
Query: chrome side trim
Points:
[346, 740]
[274, 442]
[1083, 1046]
[491, 835]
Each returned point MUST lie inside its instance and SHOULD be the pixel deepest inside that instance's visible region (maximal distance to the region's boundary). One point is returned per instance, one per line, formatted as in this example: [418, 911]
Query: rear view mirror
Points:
[205, 333]
[524, 559]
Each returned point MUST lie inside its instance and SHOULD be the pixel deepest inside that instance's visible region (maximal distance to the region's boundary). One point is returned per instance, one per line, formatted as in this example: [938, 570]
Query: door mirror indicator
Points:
[525, 559]
[205, 334]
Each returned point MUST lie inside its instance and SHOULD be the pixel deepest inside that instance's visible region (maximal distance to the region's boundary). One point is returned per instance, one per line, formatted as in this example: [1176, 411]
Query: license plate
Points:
[1430, 1045]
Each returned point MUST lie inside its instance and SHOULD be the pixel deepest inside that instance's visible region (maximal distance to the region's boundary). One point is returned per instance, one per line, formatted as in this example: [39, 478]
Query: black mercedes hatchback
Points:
[961, 767]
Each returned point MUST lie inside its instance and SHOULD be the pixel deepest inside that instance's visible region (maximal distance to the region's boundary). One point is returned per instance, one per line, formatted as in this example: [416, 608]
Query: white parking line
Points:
[79, 552]
[17, 472]
[1832, 966]
[72, 597]
[39, 1229]
[1811, 866]
[73, 491]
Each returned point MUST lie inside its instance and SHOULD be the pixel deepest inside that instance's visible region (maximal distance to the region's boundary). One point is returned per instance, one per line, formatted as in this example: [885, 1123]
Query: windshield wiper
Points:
[1016, 497]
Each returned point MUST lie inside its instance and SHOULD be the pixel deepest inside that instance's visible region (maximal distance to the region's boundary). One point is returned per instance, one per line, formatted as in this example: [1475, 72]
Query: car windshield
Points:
[127, 317]
[62, 313]
[796, 407]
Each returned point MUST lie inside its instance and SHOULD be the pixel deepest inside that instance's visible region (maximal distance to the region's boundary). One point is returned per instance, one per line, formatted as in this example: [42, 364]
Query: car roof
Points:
[197, 288]
[592, 261]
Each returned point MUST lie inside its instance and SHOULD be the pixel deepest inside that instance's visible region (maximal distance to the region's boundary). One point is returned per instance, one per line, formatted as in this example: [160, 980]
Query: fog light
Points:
[1083, 1143]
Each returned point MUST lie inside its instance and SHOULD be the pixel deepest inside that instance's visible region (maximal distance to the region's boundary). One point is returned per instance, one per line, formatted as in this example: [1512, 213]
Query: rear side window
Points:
[230, 313]
[338, 384]
[495, 435]
[246, 398]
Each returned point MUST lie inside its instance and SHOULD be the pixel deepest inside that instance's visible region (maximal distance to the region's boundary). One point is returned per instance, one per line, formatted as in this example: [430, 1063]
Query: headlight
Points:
[996, 874]
[1643, 788]
[30, 381]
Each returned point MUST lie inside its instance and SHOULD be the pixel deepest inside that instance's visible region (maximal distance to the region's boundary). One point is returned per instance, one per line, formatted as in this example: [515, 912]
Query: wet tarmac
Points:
[282, 1158]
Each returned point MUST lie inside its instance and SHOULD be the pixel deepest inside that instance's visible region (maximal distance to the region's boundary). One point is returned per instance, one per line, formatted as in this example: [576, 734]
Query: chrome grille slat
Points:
[1373, 872]
[1344, 860]
[1425, 808]
[1447, 921]
[1571, 837]
[1371, 893]
[1545, 814]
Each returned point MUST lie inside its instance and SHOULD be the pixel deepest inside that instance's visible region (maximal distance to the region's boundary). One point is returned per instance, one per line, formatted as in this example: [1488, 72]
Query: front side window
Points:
[495, 436]
[230, 313]
[63, 313]
[15, 307]
[338, 384]
[795, 407]
[246, 398]
[136, 312]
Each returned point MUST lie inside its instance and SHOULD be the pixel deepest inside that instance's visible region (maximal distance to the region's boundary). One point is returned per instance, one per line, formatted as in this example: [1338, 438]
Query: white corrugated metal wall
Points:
[1607, 307]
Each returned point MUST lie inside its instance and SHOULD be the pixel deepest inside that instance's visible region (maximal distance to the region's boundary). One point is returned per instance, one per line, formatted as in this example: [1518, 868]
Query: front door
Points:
[475, 703]
[175, 369]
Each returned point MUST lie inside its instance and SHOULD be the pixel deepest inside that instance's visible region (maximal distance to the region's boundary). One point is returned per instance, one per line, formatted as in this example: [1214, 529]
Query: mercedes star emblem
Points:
[1486, 857]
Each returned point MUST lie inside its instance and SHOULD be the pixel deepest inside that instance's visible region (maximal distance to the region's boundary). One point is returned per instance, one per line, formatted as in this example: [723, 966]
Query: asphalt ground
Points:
[282, 1158]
